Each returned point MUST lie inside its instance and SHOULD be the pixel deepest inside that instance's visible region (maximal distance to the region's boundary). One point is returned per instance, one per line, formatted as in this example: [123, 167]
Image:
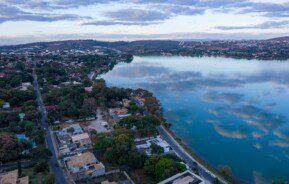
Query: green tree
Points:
[93, 132]
[10, 148]
[161, 168]
[41, 153]
[133, 107]
[110, 155]
[128, 122]
[41, 167]
[180, 167]
[1, 103]
[216, 181]
[70, 130]
[136, 160]
[156, 149]
[122, 145]
[102, 142]
[164, 169]
[149, 166]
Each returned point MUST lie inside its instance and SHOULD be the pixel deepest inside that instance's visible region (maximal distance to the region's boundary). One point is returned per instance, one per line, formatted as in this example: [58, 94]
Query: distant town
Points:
[61, 123]
[270, 49]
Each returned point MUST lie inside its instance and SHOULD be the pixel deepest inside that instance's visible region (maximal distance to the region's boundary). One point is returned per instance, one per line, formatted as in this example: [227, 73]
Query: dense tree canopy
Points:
[10, 148]
[161, 167]
[146, 125]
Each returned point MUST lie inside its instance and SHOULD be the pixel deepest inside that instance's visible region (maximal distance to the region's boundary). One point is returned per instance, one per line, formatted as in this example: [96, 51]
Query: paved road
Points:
[209, 177]
[60, 177]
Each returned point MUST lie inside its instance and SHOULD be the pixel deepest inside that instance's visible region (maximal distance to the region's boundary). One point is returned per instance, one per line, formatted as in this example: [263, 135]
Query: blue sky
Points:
[23, 21]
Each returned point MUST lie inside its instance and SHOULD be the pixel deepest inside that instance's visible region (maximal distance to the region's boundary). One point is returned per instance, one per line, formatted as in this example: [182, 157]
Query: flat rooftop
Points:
[186, 177]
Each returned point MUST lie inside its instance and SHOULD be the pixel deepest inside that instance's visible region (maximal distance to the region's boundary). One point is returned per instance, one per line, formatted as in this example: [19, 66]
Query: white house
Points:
[85, 165]
[156, 140]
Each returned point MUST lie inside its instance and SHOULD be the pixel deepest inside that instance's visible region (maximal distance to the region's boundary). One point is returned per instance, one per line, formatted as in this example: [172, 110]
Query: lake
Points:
[230, 112]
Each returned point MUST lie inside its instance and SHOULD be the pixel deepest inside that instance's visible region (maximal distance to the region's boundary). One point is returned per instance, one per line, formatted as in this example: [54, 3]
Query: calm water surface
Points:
[230, 112]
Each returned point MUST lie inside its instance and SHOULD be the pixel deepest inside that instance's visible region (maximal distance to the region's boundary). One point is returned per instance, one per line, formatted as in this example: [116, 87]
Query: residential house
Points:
[85, 165]
[76, 129]
[126, 102]
[186, 177]
[81, 139]
[146, 144]
[64, 139]
[24, 86]
[118, 113]
[139, 101]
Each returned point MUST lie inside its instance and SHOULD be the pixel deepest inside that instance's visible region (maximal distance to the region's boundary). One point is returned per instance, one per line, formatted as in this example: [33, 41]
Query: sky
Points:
[25, 21]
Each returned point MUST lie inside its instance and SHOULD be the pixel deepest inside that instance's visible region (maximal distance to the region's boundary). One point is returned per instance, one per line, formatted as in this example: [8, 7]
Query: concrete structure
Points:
[24, 86]
[72, 142]
[81, 139]
[6, 105]
[146, 144]
[76, 130]
[186, 177]
[139, 101]
[118, 113]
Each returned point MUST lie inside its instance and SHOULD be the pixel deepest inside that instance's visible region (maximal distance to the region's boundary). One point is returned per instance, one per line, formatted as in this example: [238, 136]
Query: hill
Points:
[285, 38]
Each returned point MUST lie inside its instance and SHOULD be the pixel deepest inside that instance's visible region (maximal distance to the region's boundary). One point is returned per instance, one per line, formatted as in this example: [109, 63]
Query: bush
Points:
[41, 167]
[156, 149]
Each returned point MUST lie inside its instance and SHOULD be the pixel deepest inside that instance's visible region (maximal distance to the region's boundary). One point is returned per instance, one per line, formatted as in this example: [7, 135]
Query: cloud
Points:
[135, 70]
[268, 9]
[260, 118]
[179, 9]
[270, 105]
[9, 13]
[265, 25]
[228, 98]
[137, 15]
[152, 10]
[279, 143]
[111, 23]
[215, 112]
[257, 135]
[131, 17]
[212, 121]
[282, 134]
[54, 4]
[236, 133]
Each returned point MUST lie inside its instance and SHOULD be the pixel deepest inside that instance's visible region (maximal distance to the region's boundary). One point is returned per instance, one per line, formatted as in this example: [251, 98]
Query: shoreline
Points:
[195, 156]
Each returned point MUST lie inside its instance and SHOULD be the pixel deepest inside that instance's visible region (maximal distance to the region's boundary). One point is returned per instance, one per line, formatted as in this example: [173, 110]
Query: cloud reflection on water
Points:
[220, 103]
[161, 79]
